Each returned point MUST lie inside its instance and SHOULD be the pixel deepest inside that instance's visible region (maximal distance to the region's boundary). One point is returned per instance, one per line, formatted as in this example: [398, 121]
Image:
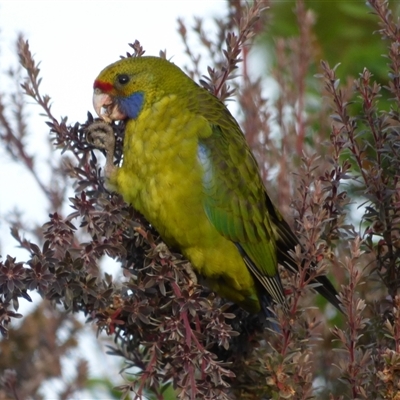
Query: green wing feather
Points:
[235, 198]
[238, 206]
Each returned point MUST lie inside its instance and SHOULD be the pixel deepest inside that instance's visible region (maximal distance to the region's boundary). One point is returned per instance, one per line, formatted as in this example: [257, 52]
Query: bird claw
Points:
[191, 274]
[101, 135]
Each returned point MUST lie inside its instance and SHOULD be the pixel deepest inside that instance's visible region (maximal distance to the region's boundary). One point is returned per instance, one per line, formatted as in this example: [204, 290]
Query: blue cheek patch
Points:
[132, 105]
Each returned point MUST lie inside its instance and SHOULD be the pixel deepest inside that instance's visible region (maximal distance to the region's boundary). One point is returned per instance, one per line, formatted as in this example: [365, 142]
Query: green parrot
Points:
[188, 169]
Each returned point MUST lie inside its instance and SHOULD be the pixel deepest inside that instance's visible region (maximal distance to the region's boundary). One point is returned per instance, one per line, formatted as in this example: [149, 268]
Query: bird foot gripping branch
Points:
[101, 135]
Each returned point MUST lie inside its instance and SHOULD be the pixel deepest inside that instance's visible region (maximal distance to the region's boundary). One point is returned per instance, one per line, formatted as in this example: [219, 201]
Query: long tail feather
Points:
[286, 241]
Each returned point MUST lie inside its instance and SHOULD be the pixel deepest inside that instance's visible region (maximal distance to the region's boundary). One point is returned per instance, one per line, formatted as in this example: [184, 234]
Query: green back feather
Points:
[234, 195]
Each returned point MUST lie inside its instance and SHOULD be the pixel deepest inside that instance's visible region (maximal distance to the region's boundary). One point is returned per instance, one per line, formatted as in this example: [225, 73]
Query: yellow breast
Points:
[160, 174]
[162, 178]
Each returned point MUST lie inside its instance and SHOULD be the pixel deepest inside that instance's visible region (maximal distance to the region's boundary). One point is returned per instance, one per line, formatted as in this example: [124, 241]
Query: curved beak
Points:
[106, 107]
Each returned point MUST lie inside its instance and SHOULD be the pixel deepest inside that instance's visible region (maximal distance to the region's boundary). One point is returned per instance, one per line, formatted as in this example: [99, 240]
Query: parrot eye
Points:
[123, 79]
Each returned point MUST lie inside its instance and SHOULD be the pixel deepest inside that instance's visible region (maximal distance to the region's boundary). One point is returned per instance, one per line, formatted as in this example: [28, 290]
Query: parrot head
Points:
[126, 87]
